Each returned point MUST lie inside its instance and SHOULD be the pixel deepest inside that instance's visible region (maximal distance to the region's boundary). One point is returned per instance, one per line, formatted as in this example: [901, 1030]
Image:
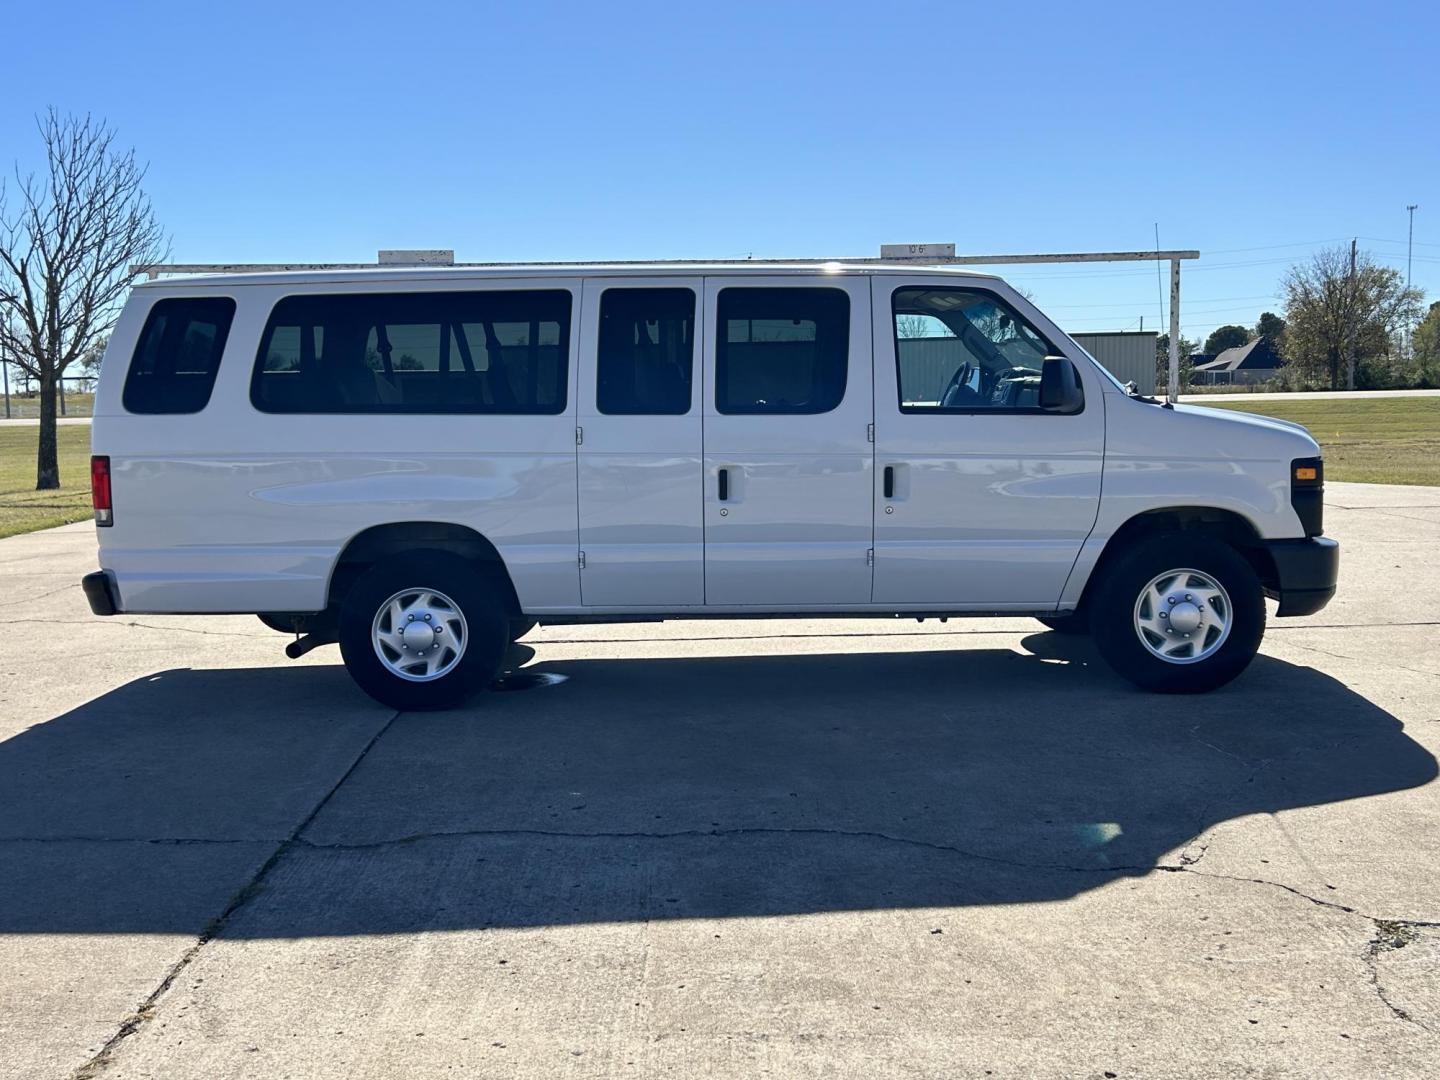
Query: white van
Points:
[422, 464]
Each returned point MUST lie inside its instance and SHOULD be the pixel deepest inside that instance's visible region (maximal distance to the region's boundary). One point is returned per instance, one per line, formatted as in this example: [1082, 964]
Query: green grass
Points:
[22, 508]
[27, 406]
[1374, 441]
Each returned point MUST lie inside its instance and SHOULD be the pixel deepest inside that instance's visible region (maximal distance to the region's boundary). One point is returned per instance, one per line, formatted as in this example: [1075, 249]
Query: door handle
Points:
[724, 484]
[889, 481]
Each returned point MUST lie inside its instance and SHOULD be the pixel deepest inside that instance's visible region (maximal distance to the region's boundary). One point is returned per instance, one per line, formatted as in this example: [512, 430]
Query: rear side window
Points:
[646, 352]
[781, 350]
[461, 352]
[174, 366]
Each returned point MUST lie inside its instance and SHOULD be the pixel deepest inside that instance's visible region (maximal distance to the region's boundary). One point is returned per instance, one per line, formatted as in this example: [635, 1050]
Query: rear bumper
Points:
[100, 591]
[1305, 574]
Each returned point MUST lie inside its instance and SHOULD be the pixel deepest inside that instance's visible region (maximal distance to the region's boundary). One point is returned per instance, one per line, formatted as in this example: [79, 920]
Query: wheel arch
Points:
[1233, 528]
[373, 545]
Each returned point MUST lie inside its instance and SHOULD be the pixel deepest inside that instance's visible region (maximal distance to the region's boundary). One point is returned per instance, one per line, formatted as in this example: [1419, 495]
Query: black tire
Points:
[1113, 612]
[520, 627]
[1066, 624]
[487, 626]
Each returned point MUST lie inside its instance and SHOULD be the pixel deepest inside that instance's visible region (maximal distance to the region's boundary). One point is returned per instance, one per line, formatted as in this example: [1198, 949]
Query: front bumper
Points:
[1305, 574]
[100, 591]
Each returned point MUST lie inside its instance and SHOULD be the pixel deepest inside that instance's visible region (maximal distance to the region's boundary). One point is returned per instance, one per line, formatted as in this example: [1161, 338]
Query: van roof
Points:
[286, 275]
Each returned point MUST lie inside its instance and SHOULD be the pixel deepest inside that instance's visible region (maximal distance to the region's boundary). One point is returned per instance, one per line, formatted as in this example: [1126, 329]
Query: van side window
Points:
[965, 350]
[781, 350]
[174, 366]
[646, 352]
[458, 352]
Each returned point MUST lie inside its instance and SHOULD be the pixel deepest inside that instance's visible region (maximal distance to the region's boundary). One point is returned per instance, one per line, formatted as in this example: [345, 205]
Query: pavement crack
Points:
[1274, 628]
[34, 599]
[679, 834]
[1186, 865]
[145, 1011]
[1390, 935]
[177, 841]
[1355, 659]
[143, 626]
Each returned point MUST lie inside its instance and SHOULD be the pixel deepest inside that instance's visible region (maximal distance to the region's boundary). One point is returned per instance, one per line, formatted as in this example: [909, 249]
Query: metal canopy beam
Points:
[156, 270]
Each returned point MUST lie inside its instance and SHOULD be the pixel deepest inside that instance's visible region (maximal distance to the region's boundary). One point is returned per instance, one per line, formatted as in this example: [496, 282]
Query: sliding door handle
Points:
[724, 484]
[889, 481]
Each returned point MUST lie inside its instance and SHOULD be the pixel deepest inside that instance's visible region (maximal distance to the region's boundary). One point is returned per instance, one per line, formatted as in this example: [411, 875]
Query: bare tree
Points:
[914, 326]
[66, 248]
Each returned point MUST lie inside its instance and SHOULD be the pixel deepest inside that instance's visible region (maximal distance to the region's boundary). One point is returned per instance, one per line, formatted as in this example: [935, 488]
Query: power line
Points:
[1140, 304]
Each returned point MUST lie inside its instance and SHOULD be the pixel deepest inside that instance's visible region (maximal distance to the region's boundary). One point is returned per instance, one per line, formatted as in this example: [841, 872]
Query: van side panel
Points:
[1160, 458]
[235, 510]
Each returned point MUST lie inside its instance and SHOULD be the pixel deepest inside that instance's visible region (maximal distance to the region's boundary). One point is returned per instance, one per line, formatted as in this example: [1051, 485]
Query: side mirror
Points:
[1060, 389]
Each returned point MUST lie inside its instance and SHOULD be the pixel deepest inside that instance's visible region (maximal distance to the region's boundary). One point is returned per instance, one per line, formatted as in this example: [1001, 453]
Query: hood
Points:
[1252, 419]
[1225, 433]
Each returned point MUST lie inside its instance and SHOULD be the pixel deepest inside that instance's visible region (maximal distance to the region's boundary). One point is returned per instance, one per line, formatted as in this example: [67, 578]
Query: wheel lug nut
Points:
[411, 618]
[427, 618]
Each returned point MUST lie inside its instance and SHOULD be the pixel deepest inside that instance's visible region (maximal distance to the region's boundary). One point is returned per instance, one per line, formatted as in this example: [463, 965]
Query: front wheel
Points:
[422, 632]
[1179, 613]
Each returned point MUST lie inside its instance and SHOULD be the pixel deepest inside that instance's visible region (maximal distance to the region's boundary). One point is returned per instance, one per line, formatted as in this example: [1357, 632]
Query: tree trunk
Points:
[47, 465]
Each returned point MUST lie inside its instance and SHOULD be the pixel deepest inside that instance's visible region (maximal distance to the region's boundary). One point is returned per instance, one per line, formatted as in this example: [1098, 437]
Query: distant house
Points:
[1253, 363]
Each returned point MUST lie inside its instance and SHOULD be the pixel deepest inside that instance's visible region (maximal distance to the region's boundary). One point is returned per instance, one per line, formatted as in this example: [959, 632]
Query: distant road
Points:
[1200, 399]
[32, 421]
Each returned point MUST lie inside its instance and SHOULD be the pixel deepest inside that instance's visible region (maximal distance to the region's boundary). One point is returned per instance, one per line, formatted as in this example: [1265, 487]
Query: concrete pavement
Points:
[800, 848]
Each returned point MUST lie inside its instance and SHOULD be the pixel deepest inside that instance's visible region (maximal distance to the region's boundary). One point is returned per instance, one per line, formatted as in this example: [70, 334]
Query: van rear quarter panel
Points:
[235, 510]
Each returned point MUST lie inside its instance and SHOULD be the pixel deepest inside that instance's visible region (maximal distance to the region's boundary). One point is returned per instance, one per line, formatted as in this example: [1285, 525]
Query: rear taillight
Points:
[100, 490]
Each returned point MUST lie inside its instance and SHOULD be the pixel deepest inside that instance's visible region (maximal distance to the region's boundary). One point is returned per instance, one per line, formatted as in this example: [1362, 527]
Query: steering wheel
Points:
[959, 379]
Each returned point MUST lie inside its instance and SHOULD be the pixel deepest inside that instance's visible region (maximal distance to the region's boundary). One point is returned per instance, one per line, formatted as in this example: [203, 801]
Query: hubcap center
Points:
[1185, 617]
[417, 635]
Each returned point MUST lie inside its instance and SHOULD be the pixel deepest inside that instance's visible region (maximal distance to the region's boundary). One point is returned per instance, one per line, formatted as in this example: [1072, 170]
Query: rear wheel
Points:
[520, 627]
[422, 632]
[1179, 613]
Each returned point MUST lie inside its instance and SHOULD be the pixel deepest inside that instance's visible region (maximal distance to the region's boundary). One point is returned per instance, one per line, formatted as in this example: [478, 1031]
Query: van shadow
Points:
[656, 788]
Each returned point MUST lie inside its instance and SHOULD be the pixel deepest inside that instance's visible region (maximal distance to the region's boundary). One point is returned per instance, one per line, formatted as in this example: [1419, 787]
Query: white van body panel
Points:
[236, 510]
[641, 525]
[987, 509]
[1189, 456]
[796, 527]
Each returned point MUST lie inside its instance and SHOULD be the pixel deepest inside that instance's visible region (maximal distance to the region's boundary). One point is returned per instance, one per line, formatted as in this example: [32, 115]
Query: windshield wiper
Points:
[1132, 390]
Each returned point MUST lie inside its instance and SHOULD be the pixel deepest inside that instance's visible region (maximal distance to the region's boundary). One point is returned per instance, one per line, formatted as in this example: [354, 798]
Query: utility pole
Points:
[1410, 246]
[1350, 324]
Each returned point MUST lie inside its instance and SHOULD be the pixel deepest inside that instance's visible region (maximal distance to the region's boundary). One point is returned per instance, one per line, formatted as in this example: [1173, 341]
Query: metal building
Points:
[1128, 355]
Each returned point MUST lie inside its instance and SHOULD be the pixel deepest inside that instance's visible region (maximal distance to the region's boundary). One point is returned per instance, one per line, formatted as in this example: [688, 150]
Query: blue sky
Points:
[323, 132]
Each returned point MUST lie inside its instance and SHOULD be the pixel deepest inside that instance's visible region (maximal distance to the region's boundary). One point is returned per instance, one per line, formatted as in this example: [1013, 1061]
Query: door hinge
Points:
[579, 436]
[582, 560]
[870, 557]
[869, 432]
